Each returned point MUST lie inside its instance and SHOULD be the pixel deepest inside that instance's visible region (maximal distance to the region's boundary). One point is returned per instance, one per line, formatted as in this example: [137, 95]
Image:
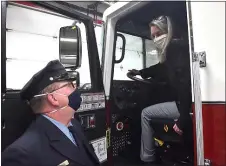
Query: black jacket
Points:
[43, 144]
[176, 72]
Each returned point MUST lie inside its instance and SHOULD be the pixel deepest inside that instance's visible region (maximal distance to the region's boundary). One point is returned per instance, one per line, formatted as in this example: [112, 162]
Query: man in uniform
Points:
[55, 137]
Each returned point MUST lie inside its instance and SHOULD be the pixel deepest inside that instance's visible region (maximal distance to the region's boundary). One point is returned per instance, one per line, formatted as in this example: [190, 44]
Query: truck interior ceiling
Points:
[137, 22]
[130, 97]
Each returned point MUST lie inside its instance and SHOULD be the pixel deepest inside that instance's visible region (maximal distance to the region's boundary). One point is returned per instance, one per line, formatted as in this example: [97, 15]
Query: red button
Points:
[92, 122]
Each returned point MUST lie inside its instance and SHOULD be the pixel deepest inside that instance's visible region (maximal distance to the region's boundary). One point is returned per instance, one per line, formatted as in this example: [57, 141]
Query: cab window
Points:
[133, 56]
[151, 53]
[137, 56]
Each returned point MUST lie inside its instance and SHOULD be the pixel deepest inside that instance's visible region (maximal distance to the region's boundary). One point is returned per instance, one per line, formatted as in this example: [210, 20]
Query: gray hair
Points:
[37, 103]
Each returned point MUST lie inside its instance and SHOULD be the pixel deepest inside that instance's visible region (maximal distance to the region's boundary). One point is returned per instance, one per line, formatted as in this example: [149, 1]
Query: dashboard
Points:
[126, 94]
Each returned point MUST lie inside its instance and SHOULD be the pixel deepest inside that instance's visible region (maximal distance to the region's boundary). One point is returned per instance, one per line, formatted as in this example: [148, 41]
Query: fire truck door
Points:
[206, 21]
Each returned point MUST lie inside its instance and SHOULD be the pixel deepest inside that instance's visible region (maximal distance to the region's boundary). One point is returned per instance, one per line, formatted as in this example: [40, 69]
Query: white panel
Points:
[133, 56]
[30, 46]
[19, 72]
[99, 38]
[132, 60]
[110, 17]
[100, 148]
[208, 19]
[98, 31]
[133, 43]
[151, 53]
[84, 70]
[34, 22]
[33, 47]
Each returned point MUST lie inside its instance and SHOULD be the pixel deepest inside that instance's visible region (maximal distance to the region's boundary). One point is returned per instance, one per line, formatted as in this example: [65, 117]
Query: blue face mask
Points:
[75, 100]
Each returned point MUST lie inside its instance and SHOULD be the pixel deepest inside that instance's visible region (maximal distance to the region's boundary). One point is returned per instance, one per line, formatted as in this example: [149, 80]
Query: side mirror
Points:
[70, 46]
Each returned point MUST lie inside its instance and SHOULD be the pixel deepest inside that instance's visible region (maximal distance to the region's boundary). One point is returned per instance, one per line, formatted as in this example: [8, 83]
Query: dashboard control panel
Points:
[88, 121]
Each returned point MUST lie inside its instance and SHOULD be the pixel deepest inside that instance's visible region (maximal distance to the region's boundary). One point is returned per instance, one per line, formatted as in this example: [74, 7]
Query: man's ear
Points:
[52, 100]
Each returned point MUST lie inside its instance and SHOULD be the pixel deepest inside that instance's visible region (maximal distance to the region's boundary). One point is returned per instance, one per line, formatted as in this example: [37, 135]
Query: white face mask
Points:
[55, 110]
[160, 41]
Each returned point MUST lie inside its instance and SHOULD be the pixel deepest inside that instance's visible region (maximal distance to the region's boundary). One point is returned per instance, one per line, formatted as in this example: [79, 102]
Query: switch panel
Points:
[88, 121]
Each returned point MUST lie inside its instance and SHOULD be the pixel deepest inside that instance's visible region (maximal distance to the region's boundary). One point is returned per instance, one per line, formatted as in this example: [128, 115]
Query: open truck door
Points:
[34, 33]
[125, 98]
[208, 73]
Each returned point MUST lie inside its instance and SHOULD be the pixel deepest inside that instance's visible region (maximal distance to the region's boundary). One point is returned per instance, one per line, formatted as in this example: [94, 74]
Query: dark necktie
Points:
[81, 146]
[73, 132]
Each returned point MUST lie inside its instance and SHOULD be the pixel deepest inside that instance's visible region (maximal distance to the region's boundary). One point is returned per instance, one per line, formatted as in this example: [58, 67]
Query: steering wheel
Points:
[146, 81]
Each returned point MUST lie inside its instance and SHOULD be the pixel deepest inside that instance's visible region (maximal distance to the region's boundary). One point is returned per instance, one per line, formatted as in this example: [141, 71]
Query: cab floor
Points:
[163, 164]
[124, 162]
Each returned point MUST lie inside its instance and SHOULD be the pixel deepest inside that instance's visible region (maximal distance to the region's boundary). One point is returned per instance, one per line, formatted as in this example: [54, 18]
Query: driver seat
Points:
[169, 145]
[164, 130]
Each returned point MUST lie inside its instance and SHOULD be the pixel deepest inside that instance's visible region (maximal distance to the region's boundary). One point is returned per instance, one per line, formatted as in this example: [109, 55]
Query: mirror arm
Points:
[78, 79]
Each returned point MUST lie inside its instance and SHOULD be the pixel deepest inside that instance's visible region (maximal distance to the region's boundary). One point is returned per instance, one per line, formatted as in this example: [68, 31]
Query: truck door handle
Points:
[123, 47]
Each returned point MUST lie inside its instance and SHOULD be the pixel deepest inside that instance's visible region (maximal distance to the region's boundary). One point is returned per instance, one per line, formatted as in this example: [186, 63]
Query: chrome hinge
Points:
[3, 97]
[207, 162]
[3, 124]
[201, 57]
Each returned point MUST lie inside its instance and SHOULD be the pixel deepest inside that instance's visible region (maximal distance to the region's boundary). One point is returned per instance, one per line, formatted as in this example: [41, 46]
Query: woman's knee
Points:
[143, 113]
[146, 112]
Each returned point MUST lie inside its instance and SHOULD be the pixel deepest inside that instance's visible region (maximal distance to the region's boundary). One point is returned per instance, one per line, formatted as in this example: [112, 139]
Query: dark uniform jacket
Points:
[43, 144]
[175, 71]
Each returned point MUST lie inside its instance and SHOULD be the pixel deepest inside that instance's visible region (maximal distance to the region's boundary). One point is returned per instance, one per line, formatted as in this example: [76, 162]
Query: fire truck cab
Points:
[193, 20]
[132, 19]
[113, 99]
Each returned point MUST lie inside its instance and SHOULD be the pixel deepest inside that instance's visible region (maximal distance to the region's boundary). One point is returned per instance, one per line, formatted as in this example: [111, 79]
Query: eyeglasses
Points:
[69, 84]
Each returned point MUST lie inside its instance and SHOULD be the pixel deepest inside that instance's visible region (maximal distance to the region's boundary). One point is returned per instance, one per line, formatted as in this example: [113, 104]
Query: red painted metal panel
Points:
[194, 129]
[27, 3]
[214, 133]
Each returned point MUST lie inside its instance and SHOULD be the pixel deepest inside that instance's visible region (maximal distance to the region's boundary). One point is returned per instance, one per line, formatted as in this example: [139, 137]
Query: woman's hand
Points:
[134, 72]
[177, 129]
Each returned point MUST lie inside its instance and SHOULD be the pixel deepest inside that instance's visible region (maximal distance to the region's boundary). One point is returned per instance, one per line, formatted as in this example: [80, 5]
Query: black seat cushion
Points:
[16, 118]
[164, 131]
